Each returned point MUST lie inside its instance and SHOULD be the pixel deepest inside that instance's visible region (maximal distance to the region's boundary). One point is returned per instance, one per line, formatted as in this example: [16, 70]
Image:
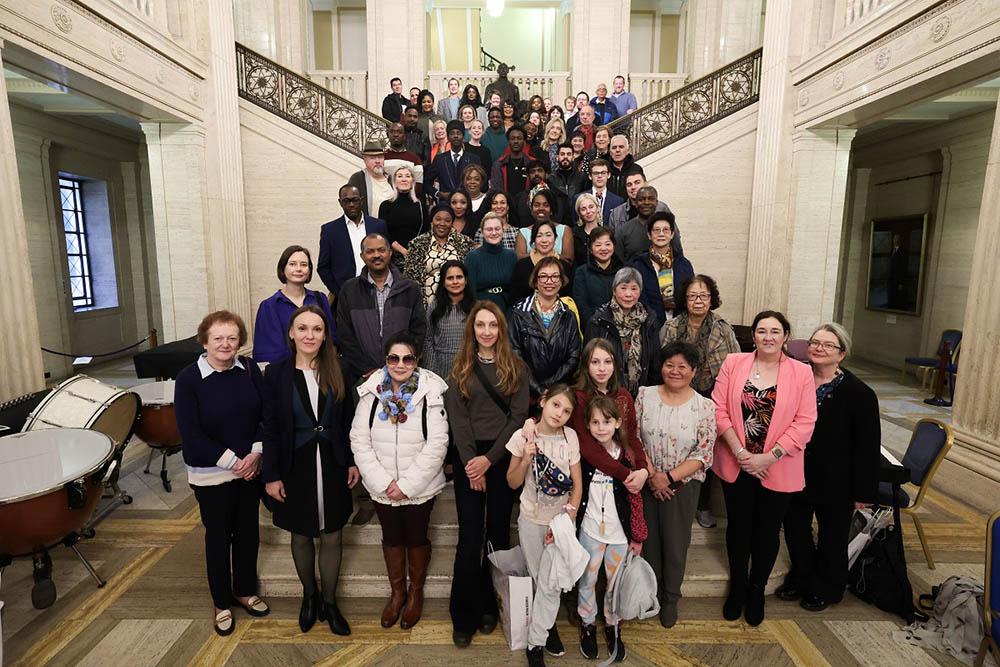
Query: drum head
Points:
[119, 417]
[37, 462]
[156, 393]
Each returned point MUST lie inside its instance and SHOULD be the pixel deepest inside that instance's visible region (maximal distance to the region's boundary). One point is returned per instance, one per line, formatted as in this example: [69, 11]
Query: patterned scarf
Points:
[630, 331]
[666, 262]
[395, 405]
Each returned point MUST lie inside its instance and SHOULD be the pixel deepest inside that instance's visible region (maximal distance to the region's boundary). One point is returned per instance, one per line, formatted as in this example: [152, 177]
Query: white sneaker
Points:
[705, 518]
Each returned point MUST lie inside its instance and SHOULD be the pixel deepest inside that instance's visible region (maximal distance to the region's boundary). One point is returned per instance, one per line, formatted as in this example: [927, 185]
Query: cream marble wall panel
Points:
[404, 54]
[820, 172]
[291, 182]
[952, 199]
[177, 185]
[38, 206]
[707, 180]
[155, 28]
[947, 47]
[598, 42]
[158, 79]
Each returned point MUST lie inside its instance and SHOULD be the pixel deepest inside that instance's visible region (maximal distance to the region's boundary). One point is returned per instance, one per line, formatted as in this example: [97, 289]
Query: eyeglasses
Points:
[826, 347]
[394, 359]
[699, 297]
[546, 278]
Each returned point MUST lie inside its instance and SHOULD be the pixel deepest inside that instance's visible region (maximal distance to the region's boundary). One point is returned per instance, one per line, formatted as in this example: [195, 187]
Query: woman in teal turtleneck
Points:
[490, 266]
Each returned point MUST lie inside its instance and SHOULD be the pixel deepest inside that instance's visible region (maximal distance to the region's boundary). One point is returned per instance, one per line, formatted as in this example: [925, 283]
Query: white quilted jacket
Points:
[387, 451]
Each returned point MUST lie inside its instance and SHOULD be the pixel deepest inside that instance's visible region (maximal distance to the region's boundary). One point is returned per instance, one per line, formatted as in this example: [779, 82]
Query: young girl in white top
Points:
[549, 469]
[611, 525]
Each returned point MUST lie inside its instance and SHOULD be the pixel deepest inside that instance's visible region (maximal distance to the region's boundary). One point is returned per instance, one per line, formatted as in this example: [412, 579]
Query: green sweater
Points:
[490, 268]
[495, 141]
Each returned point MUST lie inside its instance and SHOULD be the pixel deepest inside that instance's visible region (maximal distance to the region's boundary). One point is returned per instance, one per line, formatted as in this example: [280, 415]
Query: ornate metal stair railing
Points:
[300, 101]
[688, 109]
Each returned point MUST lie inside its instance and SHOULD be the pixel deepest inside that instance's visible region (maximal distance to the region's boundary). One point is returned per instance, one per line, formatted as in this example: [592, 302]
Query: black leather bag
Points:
[879, 575]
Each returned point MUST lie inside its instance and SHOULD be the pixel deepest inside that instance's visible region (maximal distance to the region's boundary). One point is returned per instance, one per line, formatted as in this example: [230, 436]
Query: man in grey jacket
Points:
[632, 238]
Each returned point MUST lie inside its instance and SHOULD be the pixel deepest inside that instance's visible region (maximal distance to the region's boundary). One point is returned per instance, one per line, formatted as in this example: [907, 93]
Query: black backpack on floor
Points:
[879, 575]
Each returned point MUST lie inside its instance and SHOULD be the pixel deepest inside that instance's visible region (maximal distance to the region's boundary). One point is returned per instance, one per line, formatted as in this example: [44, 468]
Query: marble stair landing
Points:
[363, 569]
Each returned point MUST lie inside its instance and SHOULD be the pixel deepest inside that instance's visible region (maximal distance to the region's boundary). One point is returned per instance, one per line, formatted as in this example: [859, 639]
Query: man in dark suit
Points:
[447, 167]
[340, 241]
[606, 200]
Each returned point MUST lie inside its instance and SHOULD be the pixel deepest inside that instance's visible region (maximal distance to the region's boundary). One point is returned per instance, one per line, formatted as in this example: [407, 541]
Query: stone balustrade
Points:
[547, 84]
[349, 85]
[650, 87]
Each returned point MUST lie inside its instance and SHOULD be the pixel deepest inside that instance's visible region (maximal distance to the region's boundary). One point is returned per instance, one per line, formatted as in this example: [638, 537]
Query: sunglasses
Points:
[394, 359]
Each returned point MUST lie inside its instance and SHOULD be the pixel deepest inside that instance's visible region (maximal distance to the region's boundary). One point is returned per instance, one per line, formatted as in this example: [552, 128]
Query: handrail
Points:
[310, 106]
[490, 62]
[692, 107]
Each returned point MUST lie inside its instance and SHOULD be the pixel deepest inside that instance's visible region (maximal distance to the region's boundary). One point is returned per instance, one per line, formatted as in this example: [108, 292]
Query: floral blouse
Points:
[673, 434]
[758, 406]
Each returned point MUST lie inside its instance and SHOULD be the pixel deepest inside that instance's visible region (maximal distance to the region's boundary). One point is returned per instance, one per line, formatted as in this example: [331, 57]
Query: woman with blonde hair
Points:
[439, 138]
[554, 135]
[487, 400]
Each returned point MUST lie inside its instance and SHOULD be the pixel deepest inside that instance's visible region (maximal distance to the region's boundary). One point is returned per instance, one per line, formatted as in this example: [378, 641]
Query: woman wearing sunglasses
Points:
[400, 438]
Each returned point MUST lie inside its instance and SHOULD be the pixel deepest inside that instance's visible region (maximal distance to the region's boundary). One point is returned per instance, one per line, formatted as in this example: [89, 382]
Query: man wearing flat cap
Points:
[371, 181]
[445, 173]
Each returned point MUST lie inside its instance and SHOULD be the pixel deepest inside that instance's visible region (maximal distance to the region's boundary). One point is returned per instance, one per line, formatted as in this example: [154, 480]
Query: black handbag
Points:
[879, 575]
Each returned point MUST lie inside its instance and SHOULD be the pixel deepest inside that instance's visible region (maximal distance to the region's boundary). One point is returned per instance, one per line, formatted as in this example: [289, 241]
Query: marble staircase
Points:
[363, 569]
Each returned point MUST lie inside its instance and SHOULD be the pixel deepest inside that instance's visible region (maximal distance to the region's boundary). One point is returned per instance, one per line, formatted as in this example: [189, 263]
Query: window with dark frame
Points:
[77, 250]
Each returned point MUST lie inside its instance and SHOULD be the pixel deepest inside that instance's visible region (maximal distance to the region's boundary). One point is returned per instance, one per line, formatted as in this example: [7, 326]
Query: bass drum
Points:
[83, 402]
[50, 484]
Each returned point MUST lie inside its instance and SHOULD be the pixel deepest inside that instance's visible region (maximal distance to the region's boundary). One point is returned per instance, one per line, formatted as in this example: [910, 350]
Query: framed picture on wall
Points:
[896, 264]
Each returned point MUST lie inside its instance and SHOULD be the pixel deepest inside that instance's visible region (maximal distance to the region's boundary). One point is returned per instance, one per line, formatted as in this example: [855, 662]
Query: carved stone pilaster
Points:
[21, 370]
[975, 416]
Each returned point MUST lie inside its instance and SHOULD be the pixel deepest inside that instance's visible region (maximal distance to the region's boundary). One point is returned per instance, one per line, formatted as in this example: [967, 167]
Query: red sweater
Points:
[595, 453]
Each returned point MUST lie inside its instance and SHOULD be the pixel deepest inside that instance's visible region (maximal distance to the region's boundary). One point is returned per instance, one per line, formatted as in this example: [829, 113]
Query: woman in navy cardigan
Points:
[218, 408]
[661, 261]
[308, 468]
[295, 269]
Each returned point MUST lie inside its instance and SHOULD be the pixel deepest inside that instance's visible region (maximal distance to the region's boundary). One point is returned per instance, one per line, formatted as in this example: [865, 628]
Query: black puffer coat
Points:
[602, 325]
[550, 359]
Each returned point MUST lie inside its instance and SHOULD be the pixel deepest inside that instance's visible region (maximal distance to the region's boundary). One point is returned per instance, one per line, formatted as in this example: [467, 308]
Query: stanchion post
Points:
[942, 372]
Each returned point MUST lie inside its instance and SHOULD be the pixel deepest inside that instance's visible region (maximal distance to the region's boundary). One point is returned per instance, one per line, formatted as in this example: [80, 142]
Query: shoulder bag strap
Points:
[491, 390]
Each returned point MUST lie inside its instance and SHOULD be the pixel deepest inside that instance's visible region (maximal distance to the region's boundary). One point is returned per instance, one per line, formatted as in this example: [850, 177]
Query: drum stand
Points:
[43, 592]
[117, 496]
[165, 452]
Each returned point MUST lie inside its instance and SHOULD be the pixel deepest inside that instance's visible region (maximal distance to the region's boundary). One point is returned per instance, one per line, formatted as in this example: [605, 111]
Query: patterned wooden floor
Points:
[155, 609]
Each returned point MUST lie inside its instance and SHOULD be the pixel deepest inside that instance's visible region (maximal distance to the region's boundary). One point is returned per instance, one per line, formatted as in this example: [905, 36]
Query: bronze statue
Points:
[508, 91]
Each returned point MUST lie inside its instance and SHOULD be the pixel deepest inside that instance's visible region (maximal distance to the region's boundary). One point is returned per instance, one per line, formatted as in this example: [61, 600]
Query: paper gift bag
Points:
[512, 584]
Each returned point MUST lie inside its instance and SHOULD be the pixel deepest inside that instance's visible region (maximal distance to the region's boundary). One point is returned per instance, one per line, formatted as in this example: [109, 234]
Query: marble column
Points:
[820, 161]
[975, 417]
[770, 212]
[719, 32]
[396, 34]
[225, 229]
[176, 153]
[294, 31]
[598, 42]
[21, 370]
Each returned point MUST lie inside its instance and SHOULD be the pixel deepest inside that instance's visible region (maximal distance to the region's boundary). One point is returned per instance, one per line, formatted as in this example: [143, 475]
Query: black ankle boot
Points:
[754, 612]
[311, 607]
[338, 624]
[733, 607]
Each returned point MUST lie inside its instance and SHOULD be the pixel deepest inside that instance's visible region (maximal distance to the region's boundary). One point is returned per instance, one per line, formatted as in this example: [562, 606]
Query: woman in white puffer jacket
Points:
[400, 438]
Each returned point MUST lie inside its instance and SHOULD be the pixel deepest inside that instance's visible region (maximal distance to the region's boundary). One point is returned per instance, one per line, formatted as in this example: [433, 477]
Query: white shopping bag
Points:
[875, 520]
[509, 572]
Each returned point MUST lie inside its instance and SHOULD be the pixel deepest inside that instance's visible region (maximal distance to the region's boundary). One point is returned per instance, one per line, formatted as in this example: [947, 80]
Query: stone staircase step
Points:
[363, 571]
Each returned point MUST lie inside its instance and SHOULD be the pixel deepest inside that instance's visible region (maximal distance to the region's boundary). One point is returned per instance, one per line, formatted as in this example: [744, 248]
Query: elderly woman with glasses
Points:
[399, 438]
[841, 465]
[697, 323]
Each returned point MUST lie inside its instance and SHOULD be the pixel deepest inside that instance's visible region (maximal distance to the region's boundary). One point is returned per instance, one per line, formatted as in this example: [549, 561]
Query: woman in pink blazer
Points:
[765, 409]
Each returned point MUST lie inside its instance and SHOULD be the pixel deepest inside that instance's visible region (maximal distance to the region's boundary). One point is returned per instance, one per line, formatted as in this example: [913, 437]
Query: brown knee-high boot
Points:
[418, 559]
[395, 565]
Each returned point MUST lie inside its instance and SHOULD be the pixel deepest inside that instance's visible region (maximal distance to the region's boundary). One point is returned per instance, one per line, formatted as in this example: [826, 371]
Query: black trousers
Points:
[819, 567]
[472, 593]
[753, 528]
[405, 525]
[229, 514]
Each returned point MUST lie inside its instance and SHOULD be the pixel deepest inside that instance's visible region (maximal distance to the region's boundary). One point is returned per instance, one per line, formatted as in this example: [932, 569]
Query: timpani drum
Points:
[157, 426]
[50, 483]
[83, 402]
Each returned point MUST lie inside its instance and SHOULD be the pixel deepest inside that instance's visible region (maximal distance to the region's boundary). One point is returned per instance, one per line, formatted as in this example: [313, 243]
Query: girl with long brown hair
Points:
[308, 468]
[487, 400]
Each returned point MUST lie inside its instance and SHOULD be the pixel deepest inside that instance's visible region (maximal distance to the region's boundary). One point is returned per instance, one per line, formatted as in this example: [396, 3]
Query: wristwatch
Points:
[777, 453]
